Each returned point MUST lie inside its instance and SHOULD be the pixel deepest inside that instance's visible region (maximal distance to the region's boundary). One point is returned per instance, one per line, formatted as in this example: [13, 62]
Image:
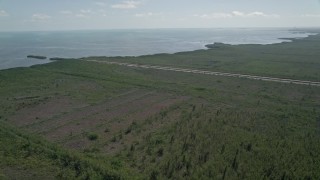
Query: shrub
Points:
[92, 136]
[114, 139]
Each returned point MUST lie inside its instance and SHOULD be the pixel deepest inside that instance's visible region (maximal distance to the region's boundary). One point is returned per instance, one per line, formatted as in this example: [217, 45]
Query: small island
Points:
[216, 45]
[36, 57]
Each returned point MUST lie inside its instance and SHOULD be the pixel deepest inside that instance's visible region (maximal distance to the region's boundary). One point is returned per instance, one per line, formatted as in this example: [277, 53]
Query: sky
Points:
[39, 15]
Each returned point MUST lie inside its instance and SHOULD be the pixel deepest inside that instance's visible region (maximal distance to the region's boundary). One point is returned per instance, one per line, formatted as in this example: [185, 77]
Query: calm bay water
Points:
[15, 46]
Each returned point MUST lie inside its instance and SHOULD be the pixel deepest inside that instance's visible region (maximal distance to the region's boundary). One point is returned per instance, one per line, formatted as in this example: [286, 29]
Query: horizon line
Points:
[165, 28]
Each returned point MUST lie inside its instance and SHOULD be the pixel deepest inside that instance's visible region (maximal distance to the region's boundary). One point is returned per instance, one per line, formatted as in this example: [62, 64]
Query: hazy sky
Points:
[20, 15]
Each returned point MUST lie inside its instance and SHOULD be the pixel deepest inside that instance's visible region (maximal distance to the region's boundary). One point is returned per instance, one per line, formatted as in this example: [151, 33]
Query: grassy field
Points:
[74, 119]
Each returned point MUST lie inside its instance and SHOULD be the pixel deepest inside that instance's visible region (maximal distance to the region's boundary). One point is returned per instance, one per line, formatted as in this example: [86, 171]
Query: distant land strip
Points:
[262, 78]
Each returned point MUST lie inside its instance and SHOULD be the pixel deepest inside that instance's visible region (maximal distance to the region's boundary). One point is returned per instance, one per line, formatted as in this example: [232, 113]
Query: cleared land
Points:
[87, 120]
[272, 79]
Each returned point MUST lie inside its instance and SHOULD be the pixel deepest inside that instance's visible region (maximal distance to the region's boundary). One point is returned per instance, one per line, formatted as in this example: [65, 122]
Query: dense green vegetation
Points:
[298, 60]
[28, 157]
[85, 120]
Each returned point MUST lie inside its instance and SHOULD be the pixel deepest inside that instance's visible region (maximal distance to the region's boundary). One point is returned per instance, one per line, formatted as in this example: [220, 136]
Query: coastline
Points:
[278, 60]
[286, 40]
[203, 47]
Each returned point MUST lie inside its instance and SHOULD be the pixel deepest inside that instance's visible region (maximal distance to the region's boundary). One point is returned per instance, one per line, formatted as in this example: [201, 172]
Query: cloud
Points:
[235, 14]
[253, 14]
[213, 15]
[86, 11]
[238, 13]
[40, 17]
[100, 4]
[126, 5]
[66, 12]
[148, 14]
[83, 13]
[144, 14]
[3, 13]
[311, 15]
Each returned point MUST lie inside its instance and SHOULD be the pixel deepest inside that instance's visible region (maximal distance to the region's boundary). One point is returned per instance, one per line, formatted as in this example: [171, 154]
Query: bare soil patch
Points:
[45, 110]
[117, 121]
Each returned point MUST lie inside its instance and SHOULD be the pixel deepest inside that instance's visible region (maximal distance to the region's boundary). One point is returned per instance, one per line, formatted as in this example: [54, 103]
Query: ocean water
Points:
[15, 46]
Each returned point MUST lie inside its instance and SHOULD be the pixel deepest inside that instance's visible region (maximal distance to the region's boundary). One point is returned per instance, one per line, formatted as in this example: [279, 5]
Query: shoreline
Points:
[289, 40]
[206, 46]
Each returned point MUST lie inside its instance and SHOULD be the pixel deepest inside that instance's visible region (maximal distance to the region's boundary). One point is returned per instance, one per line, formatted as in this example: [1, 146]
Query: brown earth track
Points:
[136, 136]
[120, 125]
[150, 126]
[34, 114]
[96, 116]
[62, 119]
[89, 117]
